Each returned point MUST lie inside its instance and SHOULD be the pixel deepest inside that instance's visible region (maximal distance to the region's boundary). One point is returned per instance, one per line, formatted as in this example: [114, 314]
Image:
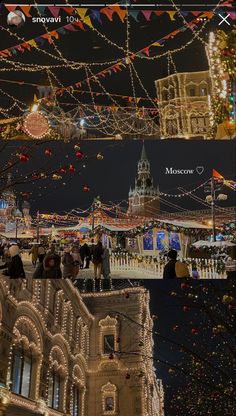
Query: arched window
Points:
[57, 378]
[54, 387]
[109, 399]
[26, 358]
[108, 335]
[75, 405]
[21, 372]
[77, 392]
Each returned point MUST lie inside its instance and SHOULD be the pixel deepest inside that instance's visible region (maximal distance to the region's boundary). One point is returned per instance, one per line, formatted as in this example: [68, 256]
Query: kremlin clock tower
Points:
[144, 198]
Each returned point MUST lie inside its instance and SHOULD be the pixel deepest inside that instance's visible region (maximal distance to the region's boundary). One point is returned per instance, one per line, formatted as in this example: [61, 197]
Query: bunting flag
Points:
[40, 40]
[227, 182]
[124, 62]
[216, 174]
[89, 16]
[114, 10]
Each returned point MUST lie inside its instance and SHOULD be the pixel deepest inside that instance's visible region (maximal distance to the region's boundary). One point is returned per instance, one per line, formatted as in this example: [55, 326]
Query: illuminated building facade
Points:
[9, 211]
[184, 105]
[67, 353]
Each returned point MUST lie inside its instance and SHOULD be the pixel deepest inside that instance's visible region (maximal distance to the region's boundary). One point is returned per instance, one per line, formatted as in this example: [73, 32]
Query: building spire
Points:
[143, 154]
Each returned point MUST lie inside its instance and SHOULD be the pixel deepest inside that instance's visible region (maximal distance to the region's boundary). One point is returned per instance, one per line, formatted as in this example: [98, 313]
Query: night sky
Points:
[112, 177]
[88, 46]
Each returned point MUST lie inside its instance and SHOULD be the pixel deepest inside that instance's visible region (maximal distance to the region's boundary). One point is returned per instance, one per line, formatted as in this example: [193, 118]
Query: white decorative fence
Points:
[207, 268]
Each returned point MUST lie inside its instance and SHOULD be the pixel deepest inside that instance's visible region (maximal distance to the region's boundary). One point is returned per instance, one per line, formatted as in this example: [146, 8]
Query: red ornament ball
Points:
[23, 157]
[71, 168]
[175, 328]
[86, 188]
[194, 331]
[184, 286]
[48, 152]
[62, 170]
[79, 154]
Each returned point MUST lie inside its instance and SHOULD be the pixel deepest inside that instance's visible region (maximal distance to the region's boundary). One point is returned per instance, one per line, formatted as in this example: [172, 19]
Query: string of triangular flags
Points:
[109, 11]
[119, 66]
[85, 21]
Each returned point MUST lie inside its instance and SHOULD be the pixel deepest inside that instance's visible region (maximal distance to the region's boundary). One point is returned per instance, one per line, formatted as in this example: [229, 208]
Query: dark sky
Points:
[112, 177]
[88, 46]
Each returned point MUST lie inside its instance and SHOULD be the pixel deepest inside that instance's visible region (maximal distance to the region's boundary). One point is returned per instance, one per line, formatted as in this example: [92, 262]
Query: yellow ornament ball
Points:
[100, 156]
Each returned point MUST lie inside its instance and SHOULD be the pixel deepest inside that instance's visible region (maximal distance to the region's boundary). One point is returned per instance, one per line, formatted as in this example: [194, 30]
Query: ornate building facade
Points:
[67, 353]
[144, 198]
[184, 105]
[10, 212]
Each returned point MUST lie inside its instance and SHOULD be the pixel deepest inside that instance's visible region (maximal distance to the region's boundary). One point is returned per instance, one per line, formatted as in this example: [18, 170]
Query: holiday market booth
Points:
[143, 249]
[77, 232]
[158, 237]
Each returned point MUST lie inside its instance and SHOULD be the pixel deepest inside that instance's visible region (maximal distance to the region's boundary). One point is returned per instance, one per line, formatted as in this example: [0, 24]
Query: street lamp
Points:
[18, 217]
[211, 199]
[95, 205]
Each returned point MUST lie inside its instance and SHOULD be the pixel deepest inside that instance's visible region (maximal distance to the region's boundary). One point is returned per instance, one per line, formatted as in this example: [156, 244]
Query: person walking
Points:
[169, 269]
[34, 254]
[6, 254]
[85, 255]
[97, 260]
[106, 270]
[77, 260]
[68, 264]
[49, 268]
[1, 251]
[15, 265]
[41, 253]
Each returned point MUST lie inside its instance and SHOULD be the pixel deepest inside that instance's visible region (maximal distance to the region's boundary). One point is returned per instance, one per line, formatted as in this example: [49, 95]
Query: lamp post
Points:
[212, 198]
[38, 233]
[213, 212]
[96, 204]
[17, 220]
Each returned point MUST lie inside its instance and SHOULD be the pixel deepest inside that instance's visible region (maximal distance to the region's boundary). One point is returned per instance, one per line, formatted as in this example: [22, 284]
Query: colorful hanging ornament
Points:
[56, 177]
[36, 125]
[184, 286]
[100, 156]
[62, 170]
[23, 157]
[86, 188]
[71, 168]
[48, 152]
[79, 154]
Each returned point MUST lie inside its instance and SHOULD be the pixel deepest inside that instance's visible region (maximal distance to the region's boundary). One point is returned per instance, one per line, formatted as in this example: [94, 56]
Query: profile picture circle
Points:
[16, 18]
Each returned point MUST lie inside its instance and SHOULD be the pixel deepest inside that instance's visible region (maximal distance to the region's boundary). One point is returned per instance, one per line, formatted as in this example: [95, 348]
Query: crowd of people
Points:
[51, 263]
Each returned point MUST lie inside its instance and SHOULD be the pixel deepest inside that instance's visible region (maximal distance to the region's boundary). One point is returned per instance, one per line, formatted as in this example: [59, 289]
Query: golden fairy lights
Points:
[136, 122]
